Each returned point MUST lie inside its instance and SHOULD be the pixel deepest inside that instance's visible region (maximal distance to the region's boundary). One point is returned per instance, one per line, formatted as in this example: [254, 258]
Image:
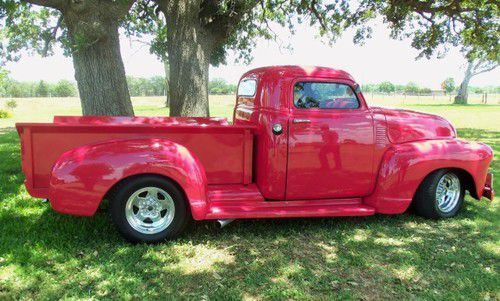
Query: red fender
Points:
[81, 177]
[404, 166]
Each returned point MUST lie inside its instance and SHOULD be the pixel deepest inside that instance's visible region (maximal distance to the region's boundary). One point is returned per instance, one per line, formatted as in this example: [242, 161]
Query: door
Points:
[331, 142]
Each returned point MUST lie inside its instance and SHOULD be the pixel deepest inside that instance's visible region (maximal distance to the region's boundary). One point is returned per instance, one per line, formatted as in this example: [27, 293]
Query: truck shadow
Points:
[388, 256]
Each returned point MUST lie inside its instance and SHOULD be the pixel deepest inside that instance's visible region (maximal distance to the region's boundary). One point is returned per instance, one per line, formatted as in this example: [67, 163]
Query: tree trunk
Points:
[166, 67]
[189, 47]
[95, 47]
[101, 79]
[462, 95]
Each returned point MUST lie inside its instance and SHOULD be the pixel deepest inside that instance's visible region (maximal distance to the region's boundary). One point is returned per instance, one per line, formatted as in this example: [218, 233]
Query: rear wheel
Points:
[149, 209]
[440, 195]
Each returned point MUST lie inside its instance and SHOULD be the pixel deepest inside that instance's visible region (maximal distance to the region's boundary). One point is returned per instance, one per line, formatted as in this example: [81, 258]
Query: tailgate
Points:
[25, 137]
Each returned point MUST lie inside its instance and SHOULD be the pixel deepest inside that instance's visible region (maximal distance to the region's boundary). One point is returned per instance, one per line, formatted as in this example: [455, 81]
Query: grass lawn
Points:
[46, 255]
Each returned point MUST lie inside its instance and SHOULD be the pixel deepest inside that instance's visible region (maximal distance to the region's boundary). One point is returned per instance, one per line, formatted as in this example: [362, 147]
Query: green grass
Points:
[46, 255]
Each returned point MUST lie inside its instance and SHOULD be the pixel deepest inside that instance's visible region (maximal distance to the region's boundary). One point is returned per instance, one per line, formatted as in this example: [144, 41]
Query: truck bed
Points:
[224, 150]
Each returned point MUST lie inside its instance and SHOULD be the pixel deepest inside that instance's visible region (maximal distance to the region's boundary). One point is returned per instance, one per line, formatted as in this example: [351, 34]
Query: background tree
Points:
[386, 87]
[3, 80]
[448, 85]
[42, 89]
[411, 88]
[64, 88]
[88, 31]
[474, 67]
[220, 86]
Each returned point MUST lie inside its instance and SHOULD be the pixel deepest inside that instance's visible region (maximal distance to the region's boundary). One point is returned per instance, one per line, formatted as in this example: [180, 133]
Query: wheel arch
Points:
[82, 177]
[465, 177]
[405, 166]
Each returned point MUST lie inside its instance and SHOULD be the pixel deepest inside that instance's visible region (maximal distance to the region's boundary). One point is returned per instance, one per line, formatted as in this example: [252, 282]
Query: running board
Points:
[225, 205]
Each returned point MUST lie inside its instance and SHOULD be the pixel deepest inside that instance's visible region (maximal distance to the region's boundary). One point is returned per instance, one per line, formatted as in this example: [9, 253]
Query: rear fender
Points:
[404, 166]
[81, 177]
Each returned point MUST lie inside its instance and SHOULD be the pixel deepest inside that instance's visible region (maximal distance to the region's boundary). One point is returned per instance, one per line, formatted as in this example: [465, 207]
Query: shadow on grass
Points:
[46, 255]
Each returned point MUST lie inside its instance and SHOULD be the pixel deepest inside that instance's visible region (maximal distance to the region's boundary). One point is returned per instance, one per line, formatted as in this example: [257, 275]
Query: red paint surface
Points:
[340, 162]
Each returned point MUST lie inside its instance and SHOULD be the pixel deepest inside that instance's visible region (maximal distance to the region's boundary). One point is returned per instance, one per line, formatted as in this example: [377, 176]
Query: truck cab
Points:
[303, 143]
[326, 138]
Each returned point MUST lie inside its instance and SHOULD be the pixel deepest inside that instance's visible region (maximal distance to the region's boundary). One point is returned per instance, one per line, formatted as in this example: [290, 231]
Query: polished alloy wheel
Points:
[150, 210]
[448, 192]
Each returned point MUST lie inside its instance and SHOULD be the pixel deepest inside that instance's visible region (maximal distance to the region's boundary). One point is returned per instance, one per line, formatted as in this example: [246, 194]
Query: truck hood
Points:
[406, 126]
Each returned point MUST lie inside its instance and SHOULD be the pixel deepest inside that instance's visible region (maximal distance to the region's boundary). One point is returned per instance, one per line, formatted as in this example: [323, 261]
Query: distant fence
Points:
[435, 97]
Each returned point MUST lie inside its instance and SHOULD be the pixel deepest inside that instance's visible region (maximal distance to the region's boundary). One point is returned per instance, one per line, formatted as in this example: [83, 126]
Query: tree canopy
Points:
[87, 30]
[192, 34]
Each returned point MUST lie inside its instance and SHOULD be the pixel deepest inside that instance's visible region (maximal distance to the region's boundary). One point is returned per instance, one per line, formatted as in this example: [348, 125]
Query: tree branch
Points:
[120, 7]
[485, 68]
[318, 16]
[52, 36]
[57, 4]
[221, 24]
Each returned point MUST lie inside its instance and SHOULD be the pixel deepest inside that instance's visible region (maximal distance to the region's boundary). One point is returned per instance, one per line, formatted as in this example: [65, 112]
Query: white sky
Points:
[380, 59]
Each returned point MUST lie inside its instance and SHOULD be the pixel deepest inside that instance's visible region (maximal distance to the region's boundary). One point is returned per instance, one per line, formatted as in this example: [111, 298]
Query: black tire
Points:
[425, 201]
[123, 191]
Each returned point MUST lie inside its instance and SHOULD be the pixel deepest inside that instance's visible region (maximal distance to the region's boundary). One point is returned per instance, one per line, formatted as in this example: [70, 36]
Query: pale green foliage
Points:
[140, 86]
[386, 87]
[448, 85]
[411, 87]
[64, 88]
[220, 86]
[42, 89]
[24, 27]
[432, 26]
[5, 114]
[11, 104]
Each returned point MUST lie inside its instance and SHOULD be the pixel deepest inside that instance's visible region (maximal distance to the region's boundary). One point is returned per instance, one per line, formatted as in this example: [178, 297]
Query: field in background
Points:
[45, 255]
[470, 116]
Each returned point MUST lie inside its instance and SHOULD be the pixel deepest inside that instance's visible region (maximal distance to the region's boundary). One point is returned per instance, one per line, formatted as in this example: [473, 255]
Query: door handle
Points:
[301, 120]
[277, 129]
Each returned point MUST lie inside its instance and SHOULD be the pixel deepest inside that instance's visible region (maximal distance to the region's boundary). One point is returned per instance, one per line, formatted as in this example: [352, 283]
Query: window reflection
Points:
[324, 96]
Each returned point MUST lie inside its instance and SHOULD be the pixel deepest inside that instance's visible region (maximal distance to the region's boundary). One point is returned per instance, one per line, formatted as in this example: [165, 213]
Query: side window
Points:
[324, 96]
[247, 87]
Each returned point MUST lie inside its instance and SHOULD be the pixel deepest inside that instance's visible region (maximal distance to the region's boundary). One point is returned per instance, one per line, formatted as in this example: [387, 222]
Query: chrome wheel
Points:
[448, 192]
[150, 210]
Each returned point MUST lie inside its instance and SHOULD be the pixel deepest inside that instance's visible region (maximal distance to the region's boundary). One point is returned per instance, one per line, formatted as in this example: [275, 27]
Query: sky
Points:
[379, 59]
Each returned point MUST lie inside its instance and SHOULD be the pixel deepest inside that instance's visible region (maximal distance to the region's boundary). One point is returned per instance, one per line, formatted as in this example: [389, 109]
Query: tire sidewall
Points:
[119, 201]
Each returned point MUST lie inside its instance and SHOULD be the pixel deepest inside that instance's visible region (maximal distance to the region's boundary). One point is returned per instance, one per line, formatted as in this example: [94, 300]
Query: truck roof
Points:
[299, 71]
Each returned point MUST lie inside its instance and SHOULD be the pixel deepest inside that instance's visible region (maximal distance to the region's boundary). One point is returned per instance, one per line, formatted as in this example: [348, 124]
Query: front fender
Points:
[81, 177]
[404, 166]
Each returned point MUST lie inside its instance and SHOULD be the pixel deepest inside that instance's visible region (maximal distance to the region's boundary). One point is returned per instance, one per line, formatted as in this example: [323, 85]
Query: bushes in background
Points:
[5, 114]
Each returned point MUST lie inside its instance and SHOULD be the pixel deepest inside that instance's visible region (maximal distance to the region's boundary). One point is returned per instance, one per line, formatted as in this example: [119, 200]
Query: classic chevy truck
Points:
[303, 143]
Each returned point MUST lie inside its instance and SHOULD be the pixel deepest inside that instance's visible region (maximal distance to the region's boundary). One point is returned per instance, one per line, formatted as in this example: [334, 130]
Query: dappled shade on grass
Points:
[47, 255]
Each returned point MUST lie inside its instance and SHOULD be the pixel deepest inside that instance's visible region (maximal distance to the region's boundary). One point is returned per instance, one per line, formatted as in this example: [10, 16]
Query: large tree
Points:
[88, 30]
[474, 67]
[200, 32]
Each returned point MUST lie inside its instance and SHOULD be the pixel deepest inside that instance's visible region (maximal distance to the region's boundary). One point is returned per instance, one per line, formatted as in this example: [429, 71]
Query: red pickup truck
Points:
[303, 142]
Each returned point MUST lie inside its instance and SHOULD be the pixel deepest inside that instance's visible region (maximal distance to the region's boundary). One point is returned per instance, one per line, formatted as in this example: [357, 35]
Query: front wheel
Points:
[440, 195]
[149, 209]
